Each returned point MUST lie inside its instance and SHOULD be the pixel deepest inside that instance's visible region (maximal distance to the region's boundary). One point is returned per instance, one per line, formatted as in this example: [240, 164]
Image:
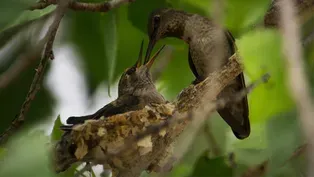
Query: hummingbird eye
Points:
[156, 21]
[131, 71]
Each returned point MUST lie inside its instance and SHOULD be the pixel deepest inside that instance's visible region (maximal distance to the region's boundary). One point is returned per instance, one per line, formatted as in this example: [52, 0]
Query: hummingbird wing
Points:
[122, 104]
[107, 110]
[192, 66]
[236, 114]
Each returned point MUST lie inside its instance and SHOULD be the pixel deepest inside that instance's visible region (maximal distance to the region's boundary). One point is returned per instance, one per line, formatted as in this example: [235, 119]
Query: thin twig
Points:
[256, 171]
[304, 9]
[300, 150]
[83, 6]
[35, 86]
[296, 74]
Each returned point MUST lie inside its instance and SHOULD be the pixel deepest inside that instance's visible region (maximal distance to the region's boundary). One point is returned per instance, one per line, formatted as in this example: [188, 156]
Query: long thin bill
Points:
[151, 61]
[140, 56]
[149, 50]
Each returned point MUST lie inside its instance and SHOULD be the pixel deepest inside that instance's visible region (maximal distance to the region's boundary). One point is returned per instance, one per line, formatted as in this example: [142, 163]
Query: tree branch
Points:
[83, 6]
[47, 41]
[304, 10]
[296, 77]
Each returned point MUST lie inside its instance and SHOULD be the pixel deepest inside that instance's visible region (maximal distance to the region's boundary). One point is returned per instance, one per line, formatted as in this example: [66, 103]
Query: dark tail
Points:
[106, 111]
[236, 114]
[78, 120]
[66, 127]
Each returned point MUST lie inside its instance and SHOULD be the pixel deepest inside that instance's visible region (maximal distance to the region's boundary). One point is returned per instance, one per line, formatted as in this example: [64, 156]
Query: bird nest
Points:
[135, 141]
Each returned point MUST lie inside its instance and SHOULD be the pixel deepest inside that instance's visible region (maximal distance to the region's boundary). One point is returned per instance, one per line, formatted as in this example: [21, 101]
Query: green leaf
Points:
[36, 24]
[70, 171]
[2, 152]
[261, 52]
[299, 163]
[257, 139]
[138, 17]
[219, 129]
[250, 156]
[284, 137]
[180, 170]
[111, 44]
[211, 167]
[128, 42]
[241, 14]
[31, 15]
[286, 171]
[240, 170]
[9, 10]
[88, 33]
[27, 156]
[56, 132]
[191, 6]
[178, 66]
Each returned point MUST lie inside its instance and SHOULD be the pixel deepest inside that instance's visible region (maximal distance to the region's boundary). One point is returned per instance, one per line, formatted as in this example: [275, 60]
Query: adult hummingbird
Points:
[210, 47]
[135, 90]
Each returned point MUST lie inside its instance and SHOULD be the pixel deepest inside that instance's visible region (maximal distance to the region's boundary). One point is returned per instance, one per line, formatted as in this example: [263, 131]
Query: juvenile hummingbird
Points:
[210, 47]
[135, 90]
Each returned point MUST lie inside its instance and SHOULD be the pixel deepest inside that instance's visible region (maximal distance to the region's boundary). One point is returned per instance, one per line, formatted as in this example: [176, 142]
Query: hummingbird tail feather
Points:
[78, 120]
[236, 114]
[66, 127]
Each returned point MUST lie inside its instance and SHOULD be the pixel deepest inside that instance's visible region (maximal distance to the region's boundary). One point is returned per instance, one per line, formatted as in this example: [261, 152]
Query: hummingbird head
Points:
[137, 79]
[162, 23]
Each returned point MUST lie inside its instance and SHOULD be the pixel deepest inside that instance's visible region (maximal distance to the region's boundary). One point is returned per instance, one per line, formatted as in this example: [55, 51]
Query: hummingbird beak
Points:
[140, 56]
[149, 50]
[151, 61]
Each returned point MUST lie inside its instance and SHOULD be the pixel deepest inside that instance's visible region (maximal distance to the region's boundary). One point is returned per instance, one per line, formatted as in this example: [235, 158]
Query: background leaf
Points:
[88, 35]
[251, 13]
[12, 97]
[283, 141]
[261, 53]
[56, 132]
[211, 167]
[25, 154]
[11, 10]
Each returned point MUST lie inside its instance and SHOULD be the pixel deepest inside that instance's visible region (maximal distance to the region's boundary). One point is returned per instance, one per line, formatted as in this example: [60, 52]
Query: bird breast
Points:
[208, 45]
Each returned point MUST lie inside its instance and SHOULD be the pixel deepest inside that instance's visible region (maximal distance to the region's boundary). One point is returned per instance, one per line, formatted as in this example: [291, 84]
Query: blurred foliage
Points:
[108, 43]
[10, 10]
[56, 132]
[14, 95]
[283, 141]
[251, 13]
[211, 167]
[27, 155]
[261, 53]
